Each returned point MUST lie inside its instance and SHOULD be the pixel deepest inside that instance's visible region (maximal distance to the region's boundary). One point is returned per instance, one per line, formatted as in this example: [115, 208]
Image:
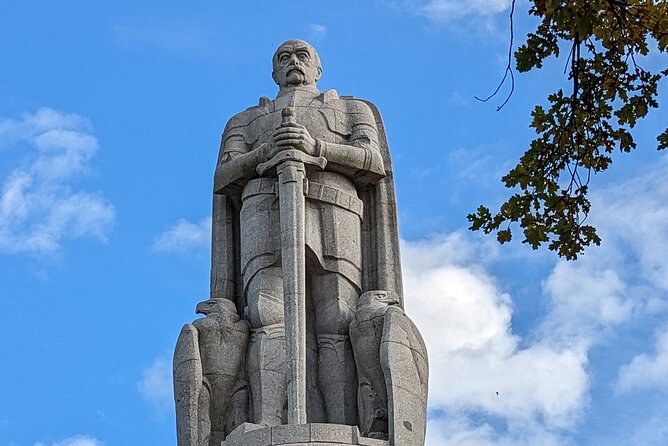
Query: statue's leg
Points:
[266, 350]
[315, 406]
[335, 300]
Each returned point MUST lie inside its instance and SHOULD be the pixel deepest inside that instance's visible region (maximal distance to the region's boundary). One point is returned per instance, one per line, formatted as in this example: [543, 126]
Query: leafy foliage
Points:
[577, 132]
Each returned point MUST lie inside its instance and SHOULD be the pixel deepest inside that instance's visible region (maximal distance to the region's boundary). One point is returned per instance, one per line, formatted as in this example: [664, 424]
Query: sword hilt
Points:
[288, 117]
[288, 114]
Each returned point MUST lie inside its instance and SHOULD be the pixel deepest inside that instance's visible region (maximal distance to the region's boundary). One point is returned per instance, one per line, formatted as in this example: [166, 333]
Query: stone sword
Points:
[290, 166]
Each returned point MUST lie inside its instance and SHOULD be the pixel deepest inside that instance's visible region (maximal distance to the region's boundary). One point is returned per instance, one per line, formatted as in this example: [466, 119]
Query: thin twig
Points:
[509, 69]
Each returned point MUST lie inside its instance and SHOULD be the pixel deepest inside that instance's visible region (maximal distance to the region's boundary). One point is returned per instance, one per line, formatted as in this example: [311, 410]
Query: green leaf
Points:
[504, 236]
[663, 140]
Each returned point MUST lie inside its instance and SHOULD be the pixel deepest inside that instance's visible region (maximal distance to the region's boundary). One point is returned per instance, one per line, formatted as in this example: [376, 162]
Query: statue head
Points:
[218, 308]
[296, 63]
[378, 299]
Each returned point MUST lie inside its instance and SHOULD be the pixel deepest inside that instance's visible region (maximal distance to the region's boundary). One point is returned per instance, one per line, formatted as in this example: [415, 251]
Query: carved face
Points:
[216, 306]
[378, 299]
[207, 307]
[296, 63]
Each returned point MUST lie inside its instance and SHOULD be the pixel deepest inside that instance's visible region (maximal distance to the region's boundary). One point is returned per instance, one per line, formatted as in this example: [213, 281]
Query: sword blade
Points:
[291, 196]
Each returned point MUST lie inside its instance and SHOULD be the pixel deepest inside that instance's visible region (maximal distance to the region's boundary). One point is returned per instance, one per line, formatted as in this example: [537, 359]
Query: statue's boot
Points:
[337, 378]
[267, 374]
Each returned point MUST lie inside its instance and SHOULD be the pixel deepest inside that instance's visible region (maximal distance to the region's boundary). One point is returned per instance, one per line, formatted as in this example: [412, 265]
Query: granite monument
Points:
[304, 339]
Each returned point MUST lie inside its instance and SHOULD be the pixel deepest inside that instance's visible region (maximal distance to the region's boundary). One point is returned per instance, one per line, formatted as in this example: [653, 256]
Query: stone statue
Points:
[208, 357]
[304, 222]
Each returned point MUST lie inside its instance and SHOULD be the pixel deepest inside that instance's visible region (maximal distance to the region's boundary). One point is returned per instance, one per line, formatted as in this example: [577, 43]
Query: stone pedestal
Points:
[313, 434]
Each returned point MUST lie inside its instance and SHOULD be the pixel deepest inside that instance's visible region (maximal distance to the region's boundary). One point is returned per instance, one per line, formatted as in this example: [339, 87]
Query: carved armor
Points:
[334, 209]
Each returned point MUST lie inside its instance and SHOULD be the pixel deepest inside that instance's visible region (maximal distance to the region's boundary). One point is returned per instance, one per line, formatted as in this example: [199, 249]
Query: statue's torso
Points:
[333, 207]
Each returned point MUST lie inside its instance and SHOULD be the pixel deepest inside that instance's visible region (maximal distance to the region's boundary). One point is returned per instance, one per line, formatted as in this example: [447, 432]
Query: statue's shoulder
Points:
[244, 118]
[348, 104]
[357, 111]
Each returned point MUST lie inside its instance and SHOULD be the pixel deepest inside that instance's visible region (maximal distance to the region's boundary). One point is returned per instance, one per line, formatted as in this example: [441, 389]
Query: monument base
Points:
[313, 434]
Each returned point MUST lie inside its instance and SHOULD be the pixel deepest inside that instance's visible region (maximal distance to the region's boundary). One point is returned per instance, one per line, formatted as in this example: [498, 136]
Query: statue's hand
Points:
[294, 136]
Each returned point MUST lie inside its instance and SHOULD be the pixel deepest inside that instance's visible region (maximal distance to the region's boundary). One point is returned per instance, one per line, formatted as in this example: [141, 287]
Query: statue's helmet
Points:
[295, 63]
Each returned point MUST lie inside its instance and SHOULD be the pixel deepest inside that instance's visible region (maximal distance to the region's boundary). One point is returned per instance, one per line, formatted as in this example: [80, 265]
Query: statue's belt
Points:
[313, 191]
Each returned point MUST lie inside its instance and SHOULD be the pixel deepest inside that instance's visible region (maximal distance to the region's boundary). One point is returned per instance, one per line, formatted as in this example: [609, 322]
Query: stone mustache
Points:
[304, 338]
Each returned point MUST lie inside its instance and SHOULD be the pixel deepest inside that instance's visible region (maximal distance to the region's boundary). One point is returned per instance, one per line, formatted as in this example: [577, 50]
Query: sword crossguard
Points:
[291, 155]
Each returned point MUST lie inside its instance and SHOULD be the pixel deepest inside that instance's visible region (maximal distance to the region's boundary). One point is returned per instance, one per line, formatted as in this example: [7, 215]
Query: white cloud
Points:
[542, 380]
[625, 278]
[627, 275]
[647, 371]
[39, 206]
[586, 300]
[466, 321]
[457, 429]
[155, 385]
[633, 217]
[317, 32]
[448, 10]
[487, 19]
[45, 120]
[77, 440]
[185, 236]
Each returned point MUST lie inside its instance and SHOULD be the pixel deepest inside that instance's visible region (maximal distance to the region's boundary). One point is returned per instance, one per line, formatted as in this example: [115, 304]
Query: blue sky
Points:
[110, 119]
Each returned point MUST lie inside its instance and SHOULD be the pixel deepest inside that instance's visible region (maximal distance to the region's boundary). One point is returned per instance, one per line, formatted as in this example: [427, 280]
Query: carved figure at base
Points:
[208, 359]
[392, 370]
